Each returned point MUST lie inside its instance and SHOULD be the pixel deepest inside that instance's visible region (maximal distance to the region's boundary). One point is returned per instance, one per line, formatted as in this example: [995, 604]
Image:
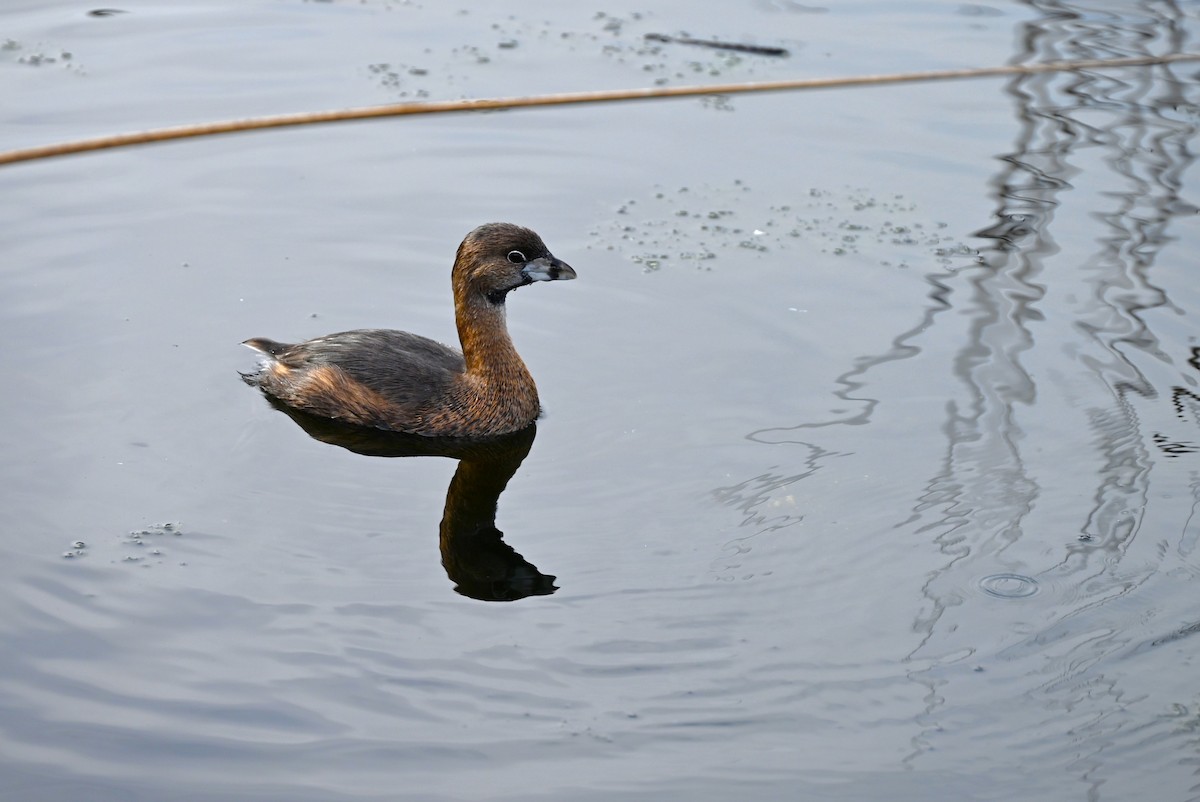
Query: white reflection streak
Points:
[983, 483]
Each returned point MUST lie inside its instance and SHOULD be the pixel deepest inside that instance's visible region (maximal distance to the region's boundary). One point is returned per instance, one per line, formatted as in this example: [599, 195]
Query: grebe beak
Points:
[547, 268]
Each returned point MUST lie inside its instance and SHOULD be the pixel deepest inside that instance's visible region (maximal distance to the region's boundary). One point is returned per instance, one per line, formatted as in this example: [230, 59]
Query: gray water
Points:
[871, 462]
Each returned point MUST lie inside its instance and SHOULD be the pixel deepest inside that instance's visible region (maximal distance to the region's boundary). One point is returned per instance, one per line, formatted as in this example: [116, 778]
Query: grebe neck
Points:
[488, 350]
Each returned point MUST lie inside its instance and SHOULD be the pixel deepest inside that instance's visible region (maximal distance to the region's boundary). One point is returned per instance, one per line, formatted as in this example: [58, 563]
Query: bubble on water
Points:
[881, 224]
[1009, 586]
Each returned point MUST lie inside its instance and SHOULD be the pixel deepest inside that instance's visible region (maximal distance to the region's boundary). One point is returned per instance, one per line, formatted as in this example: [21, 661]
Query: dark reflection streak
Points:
[1152, 153]
[752, 495]
[850, 382]
[474, 553]
[983, 482]
[1191, 532]
[976, 504]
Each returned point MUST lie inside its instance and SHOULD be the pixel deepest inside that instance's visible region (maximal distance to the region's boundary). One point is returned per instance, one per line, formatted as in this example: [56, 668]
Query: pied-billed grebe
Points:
[407, 383]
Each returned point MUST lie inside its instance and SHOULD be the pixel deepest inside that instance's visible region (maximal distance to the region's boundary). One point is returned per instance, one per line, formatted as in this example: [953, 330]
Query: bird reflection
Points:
[474, 553]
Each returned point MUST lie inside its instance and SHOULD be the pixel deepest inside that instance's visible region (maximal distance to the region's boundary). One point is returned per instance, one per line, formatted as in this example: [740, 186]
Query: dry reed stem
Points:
[570, 98]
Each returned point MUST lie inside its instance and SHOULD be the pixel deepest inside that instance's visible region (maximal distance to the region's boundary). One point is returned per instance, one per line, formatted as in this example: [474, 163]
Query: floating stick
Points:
[565, 99]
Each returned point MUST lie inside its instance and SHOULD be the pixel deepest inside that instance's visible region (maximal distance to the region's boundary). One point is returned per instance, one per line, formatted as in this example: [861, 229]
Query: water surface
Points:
[870, 462]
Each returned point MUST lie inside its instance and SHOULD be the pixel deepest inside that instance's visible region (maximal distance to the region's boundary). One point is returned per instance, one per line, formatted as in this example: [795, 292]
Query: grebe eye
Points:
[517, 258]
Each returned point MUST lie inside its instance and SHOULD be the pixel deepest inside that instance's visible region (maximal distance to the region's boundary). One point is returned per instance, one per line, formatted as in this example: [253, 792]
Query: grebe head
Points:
[499, 257]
